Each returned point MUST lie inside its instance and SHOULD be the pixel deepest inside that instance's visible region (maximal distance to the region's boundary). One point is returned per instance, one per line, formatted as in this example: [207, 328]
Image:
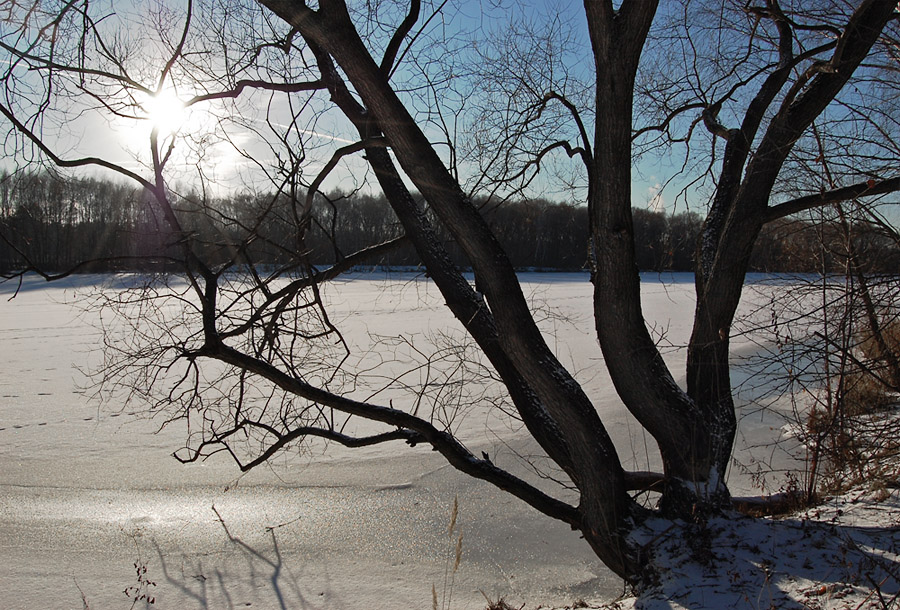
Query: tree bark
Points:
[585, 450]
[741, 207]
[636, 367]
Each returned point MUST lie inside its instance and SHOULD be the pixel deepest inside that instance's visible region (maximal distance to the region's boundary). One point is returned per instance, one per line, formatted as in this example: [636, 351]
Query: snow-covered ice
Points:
[88, 489]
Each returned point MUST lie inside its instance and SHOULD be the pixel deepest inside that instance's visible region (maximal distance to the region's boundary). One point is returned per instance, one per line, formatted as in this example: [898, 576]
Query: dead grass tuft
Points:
[500, 604]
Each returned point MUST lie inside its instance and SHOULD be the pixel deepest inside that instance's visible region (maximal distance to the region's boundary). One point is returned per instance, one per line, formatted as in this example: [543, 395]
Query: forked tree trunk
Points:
[684, 433]
[694, 429]
[553, 405]
[740, 206]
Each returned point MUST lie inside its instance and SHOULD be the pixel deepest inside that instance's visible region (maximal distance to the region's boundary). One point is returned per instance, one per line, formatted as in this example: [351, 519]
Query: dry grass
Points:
[854, 434]
[452, 567]
[858, 443]
[864, 393]
[871, 384]
[500, 604]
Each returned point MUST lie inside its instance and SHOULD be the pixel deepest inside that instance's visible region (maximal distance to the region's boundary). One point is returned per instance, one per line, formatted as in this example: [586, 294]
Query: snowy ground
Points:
[844, 554]
[87, 491]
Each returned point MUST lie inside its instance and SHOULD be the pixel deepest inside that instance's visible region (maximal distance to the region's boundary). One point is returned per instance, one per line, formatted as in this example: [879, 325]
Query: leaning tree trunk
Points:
[570, 430]
[741, 205]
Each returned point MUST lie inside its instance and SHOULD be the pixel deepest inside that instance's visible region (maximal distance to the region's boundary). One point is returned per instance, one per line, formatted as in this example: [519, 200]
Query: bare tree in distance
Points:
[250, 353]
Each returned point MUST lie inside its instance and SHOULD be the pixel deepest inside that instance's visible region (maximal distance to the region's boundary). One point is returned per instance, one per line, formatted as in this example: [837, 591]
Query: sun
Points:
[182, 124]
[164, 111]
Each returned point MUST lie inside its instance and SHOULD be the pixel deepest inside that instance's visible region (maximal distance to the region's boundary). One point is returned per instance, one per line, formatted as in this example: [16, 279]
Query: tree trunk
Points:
[581, 445]
[636, 367]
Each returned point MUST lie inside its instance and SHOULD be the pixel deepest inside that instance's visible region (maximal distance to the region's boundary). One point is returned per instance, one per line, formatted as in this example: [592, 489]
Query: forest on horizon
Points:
[62, 223]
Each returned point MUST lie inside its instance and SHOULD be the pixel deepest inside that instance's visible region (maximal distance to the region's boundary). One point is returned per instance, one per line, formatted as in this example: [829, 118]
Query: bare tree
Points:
[251, 356]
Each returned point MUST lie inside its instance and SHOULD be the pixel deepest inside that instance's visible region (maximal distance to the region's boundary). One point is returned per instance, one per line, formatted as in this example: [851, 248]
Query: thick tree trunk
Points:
[695, 428]
[740, 208]
[580, 443]
[641, 378]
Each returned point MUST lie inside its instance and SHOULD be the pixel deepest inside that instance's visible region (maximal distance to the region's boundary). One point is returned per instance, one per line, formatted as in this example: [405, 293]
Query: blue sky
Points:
[233, 155]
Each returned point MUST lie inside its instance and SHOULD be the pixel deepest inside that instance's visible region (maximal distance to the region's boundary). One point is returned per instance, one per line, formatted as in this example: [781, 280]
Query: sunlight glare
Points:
[165, 112]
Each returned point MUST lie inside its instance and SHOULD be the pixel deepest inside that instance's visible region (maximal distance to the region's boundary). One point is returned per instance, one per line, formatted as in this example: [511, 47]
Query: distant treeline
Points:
[57, 223]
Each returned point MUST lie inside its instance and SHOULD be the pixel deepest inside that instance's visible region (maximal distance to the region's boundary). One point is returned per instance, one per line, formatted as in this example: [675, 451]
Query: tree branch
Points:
[179, 48]
[847, 193]
[390, 54]
[49, 64]
[282, 439]
[443, 442]
[339, 154]
[239, 87]
[576, 116]
[318, 277]
[85, 161]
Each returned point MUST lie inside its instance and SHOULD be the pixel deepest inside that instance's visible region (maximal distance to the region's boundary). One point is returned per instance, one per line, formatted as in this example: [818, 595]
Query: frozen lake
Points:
[87, 490]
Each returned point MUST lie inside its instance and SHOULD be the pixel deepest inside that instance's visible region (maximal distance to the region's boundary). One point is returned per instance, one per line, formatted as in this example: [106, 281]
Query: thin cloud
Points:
[310, 132]
[655, 201]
